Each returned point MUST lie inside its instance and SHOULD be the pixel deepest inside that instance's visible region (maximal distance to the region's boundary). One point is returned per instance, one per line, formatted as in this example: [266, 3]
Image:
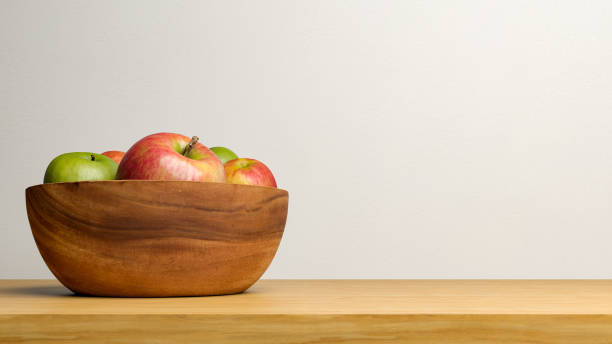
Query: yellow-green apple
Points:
[249, 172]
[167, 156]
[224, 154]
[79, 166]
[115, 155]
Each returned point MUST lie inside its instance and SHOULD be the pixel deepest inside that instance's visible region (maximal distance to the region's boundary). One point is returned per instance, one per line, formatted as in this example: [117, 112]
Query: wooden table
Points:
[319, 311]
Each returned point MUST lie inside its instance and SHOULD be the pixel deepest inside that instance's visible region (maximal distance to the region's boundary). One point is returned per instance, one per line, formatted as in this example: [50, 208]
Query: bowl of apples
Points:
[170, 217]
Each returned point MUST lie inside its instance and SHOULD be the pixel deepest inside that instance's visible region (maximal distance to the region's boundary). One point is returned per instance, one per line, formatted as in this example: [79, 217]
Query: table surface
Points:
[319, 311]
[312, 297]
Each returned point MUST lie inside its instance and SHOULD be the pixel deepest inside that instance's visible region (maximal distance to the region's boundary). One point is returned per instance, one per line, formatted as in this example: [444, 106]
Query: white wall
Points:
[418, 139]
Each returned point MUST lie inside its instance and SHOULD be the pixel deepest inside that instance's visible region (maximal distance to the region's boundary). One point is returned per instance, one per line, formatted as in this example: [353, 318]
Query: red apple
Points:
[115, 155]
[248, 171]
[166, 156]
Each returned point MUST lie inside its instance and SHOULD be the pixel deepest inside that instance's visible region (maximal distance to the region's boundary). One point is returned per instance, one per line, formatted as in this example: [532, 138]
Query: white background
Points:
[417, 139]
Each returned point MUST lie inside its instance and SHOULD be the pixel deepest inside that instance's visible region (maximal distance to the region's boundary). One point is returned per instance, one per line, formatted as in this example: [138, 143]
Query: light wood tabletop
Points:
[319, 311]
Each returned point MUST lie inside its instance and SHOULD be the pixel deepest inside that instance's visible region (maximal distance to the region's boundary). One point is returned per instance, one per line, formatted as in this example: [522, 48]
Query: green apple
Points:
[79, 166]
[224, 154]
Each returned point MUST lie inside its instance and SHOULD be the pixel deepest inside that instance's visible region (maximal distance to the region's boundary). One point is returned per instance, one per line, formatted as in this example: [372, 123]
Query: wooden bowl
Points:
[146, 238]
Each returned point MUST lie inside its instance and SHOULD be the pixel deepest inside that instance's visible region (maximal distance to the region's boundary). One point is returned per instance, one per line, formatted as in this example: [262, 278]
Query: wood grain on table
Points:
[319, 311]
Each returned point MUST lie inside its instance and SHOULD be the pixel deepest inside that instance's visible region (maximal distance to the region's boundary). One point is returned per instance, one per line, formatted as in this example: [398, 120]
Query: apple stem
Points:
[93, 158]
[190, 145]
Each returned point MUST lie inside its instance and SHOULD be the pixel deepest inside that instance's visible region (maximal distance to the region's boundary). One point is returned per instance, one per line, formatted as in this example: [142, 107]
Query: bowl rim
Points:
[110, 181]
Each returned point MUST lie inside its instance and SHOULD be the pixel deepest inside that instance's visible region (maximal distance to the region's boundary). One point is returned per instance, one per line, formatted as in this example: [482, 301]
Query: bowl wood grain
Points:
[141, 238]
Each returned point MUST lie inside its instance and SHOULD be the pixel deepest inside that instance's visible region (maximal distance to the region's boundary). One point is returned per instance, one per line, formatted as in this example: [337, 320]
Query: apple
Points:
[249, 172]
[115, 155]
[79, 166]
[167, 156]
[224, 154]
